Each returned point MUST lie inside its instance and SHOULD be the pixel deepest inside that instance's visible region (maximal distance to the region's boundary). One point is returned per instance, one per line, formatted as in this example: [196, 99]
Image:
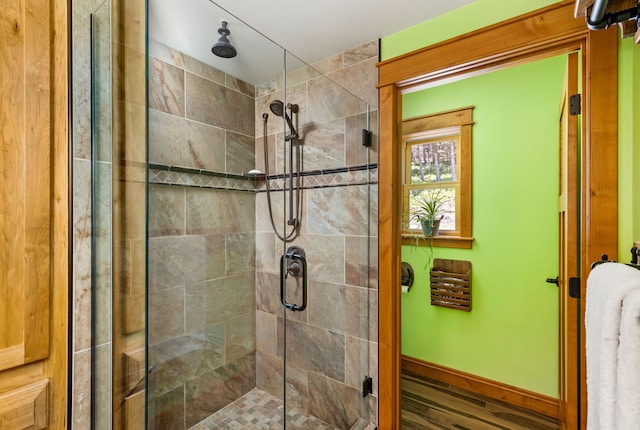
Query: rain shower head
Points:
[277, 107]
[223, 48]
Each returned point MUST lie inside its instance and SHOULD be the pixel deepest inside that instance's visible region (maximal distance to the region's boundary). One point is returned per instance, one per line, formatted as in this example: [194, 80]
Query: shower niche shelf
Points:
[451, 284]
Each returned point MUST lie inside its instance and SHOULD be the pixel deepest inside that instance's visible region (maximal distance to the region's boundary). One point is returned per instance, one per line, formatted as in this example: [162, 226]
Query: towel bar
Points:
[604, 258]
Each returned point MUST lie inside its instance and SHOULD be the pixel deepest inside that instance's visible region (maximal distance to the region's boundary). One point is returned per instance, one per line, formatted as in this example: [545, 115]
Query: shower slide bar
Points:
[293, 263]
[293, 192]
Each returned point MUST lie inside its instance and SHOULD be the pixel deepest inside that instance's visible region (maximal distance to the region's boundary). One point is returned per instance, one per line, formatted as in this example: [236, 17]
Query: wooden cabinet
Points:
[34, 214]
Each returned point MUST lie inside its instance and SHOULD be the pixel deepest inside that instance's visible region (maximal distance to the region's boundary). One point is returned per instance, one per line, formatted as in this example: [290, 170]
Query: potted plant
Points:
[428, 210]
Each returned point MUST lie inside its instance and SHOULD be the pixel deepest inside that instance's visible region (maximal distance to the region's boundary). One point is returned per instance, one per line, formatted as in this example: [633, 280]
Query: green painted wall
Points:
[634, 105]
[473, 16]
[452, 351]
[511, 334]
[628, 147]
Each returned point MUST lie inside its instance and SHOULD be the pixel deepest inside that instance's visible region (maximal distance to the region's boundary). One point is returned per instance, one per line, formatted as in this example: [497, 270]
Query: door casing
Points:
[568, 267]
[543, 33]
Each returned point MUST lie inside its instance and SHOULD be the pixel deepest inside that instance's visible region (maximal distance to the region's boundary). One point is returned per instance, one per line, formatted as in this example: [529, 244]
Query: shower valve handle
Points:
[293, 263]
[294, 268]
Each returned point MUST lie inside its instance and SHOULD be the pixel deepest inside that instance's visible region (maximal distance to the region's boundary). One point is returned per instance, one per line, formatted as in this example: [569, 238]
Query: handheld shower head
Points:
[277, 107]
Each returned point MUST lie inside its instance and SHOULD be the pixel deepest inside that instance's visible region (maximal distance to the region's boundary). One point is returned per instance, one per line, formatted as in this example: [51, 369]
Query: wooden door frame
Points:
[568, 267]
[549, 31]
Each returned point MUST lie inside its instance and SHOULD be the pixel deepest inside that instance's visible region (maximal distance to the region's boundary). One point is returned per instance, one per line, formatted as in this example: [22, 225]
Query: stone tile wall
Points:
[199, 117]
[201, 241]
[332, 345]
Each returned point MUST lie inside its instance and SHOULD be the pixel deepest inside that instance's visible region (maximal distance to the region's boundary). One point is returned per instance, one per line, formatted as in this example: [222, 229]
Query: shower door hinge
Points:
[367, 386]
[575, 104]
[367, 136]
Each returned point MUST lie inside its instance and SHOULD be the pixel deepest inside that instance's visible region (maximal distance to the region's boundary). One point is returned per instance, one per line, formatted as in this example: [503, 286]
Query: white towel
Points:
[628, 374]
[607, 286]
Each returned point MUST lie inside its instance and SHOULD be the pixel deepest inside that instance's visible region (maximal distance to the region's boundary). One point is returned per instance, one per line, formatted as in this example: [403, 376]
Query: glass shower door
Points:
[325, 277]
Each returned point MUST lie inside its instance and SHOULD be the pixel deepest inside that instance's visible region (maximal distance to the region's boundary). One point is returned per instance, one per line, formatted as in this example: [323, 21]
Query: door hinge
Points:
[575, 104]
[574, 288]
[367, 386]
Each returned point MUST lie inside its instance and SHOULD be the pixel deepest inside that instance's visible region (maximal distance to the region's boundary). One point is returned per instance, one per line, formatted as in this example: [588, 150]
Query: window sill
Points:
[438, 241]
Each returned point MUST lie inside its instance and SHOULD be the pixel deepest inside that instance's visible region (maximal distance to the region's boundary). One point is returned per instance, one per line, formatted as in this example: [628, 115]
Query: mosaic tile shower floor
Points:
[258, 410]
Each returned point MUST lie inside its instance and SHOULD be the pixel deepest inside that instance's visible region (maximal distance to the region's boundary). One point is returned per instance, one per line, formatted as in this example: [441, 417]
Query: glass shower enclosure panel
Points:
[118, 212]
[234, 243]
[202, 332]
[101, 179]
[325, 271]
[261, 233]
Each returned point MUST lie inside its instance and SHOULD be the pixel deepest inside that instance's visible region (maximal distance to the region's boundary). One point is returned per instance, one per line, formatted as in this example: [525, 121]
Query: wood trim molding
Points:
[389, 208]
[457, 122]
[496, 390]
[452, 118]
[549, 31]
[520, 37]
[441, 241]
[599, 218]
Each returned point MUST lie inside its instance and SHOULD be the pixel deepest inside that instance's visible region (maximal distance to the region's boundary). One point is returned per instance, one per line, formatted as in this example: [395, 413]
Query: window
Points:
[437, 158]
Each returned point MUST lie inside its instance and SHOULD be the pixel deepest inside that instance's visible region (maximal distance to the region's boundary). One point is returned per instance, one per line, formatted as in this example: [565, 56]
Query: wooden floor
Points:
[429, 404]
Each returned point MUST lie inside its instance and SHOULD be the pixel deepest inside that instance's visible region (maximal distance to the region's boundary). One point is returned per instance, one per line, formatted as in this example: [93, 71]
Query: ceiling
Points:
[312, 30]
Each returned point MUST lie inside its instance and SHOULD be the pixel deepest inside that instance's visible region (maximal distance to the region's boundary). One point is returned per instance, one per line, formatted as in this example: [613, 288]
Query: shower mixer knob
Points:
[294, 269]
[294, 257]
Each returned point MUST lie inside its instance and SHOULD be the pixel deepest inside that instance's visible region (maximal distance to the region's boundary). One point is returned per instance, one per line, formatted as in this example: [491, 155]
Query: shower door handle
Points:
[293, 263]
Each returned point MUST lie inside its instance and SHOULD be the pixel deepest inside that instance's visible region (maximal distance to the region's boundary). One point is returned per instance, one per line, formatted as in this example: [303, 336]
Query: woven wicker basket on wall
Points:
[451, 284]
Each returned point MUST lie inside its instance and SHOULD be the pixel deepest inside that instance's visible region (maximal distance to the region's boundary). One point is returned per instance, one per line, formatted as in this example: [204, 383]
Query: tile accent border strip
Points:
[340, 177]
[171, 175]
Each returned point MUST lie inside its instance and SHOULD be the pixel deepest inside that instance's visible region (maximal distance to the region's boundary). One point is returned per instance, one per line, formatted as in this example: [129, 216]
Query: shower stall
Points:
[234, 218]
